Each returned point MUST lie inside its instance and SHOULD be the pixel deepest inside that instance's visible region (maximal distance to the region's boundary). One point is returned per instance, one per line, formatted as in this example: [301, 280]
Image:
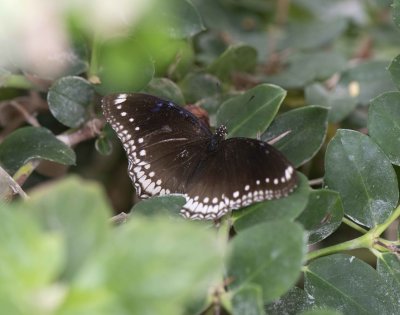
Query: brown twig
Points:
[89, 130]
[28, 117]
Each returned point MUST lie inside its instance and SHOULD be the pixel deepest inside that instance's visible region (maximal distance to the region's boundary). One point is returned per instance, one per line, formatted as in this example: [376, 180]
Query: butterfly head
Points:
[217, 137]
[221, 132]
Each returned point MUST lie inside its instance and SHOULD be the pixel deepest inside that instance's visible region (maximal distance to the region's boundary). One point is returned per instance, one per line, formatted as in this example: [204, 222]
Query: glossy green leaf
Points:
[372, 78]
[388, 267]
[347, 283]
[301, 69]
[307, 126]
[257, 258]
[356, 167]
[384, 124]
[151, 266]
[285, 208]
[165, 89]
[322, 215]
[196, 86]
[169, 205]
[125, 66]
[250, 113]
[79, 211]
[69, 100]
[292, 303]
[30, 143]
[338, 100]
[236, 59]
[248, 300]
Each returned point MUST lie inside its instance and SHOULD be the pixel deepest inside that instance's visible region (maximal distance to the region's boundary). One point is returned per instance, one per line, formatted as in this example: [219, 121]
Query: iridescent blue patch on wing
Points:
[157, 107]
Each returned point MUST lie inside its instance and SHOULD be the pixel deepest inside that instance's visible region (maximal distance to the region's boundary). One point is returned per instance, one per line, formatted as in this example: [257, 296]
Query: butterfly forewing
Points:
[169, 151]
[160, 138]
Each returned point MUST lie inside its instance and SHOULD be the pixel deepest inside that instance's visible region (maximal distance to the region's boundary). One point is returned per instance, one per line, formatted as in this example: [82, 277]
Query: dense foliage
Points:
[326, 71]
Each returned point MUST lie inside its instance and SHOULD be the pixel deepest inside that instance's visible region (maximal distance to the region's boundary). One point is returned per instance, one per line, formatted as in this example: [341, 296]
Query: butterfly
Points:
[170, 151]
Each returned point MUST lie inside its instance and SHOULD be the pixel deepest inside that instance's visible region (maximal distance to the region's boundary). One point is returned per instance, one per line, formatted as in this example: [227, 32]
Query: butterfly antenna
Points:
[279, 137]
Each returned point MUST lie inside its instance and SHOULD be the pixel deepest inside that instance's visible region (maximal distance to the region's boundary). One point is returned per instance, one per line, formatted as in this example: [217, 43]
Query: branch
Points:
[12, 185]
[89, 130]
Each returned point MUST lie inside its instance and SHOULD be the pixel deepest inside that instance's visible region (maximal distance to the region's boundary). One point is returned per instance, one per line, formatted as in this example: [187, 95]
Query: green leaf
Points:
[258, 259]
[197, 86]
[248, 300]
[68, 100]
[394, 69]
[356, 167]
[307, 126]
[322, 215]
[347, 283]
[250, 113]
[29, 261]
[76, 209]
[210, 46]
[165, 89]
[103, 145]
[235, 59]
[30, 143]
[313, 33]
[384, 124]
[321, 312]
[169, 205]
[303, 68]
[182, 19]
[285, 208]
[388, 267]
[152, 266]
[292, 303]
[125, 66]
[30, 258]
[396, 12]
[338, 100]
[372, 78]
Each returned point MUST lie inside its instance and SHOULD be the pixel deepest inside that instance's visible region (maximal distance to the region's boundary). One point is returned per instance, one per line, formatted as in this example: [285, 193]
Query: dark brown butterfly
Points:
[170, 151]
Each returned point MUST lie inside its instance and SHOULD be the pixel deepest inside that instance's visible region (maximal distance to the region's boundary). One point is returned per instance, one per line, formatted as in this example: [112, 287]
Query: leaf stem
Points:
[94, 61]
[17, 81]
[354, 225]
[380, 228]
[364, 241]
